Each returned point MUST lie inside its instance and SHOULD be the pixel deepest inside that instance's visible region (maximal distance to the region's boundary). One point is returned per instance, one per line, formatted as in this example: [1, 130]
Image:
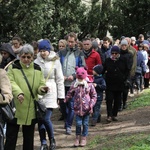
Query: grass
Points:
[126, 141]
[137, 141]
[140, 101]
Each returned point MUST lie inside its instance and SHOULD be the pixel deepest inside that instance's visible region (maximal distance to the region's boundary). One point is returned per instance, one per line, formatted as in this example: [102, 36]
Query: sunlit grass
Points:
[126, 141]
[140, 101]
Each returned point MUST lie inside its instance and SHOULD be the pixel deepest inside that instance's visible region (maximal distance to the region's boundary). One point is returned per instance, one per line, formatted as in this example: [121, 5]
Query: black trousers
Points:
[12, 135]
[1, 136]
[63, 106]
[113, 99]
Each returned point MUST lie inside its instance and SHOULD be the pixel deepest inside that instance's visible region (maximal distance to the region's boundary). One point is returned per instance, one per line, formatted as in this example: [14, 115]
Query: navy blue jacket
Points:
[101, 85]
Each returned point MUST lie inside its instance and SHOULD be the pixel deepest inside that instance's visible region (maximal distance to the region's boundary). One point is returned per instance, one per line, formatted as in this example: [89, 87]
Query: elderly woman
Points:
[116, 73]
[5, 97]
[51, 67]
[25, 110]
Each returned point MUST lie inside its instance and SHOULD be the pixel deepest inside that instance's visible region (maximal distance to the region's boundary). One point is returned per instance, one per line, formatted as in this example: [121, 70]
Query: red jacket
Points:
[92, 60]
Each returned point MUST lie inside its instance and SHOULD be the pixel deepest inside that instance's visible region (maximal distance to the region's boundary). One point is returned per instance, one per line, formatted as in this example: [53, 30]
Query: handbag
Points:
[7, 111]
[138, 70]
[40, 108]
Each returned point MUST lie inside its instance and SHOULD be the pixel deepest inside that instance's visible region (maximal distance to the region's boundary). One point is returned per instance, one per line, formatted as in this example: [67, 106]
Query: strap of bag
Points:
[28, 84]
[9, 64]
[50, 70]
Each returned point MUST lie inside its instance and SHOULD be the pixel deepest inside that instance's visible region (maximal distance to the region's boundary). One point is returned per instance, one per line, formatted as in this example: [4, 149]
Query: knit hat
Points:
[81, 72]
[94, 44]
[146, 45]
[122, 37]
[124, 42]
[115, 49]
[133, 38]
[98, 69]
[44, 45]
[141, 35]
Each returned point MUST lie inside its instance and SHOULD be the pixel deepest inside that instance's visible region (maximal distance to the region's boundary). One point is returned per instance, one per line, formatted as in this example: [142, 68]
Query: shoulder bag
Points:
[40, 108]
[7, 112]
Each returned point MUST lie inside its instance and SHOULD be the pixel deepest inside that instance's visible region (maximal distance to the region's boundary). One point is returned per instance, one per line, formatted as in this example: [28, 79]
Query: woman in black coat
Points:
[116, 73]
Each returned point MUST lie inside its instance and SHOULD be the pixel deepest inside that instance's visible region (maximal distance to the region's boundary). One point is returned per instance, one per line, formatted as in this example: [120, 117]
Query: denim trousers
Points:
[69, 110]
[70, 113]
[82, 121]
[46, 125]
[97, 108]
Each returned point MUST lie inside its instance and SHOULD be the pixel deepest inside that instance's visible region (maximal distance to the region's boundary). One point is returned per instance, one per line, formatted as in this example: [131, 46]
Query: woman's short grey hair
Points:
[27, 49]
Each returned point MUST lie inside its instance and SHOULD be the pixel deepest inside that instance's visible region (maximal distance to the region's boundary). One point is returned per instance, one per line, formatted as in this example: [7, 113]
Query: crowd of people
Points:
[77, 76]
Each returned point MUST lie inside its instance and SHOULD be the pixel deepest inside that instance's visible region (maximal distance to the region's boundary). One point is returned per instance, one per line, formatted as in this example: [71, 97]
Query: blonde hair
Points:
[63, 41]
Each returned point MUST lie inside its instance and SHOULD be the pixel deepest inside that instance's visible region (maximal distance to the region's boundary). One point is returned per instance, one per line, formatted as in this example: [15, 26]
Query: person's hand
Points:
[65, 100]
[70, 78]
[91, 111]
[65, 78]
[94, 84]
[44, 89]
[60, 100]
[20, 98]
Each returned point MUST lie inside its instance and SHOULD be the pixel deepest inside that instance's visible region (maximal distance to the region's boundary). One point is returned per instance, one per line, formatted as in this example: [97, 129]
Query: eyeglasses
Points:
[28, 57]
[114, 53]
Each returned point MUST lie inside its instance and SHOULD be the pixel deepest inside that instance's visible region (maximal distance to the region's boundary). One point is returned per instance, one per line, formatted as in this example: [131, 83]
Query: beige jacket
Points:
[5, 87]
[134, 54]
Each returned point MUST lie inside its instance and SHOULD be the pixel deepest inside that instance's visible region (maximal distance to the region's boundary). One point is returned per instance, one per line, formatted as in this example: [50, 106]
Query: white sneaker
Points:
[131, 95]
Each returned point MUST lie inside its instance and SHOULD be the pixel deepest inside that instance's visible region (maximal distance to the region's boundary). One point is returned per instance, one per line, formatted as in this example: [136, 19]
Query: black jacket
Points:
[116, 73]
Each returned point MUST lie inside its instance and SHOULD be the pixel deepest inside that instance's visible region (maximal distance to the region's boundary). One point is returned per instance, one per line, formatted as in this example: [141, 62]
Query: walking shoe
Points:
[83, 141]
[44, 147]
[68, 131]
[61, 118]
[125, 106]
[77, 141]
[52, 144]
[109, 119]
[93, 123]
[114, 119]
[99, 119]
[131, 95]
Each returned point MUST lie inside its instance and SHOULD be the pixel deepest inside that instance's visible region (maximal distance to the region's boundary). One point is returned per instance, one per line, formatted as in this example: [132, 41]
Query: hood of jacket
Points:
[7, 48]
[51, 57]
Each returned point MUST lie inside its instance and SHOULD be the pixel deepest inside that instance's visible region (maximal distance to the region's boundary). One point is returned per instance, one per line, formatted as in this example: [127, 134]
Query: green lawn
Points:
[127, 141]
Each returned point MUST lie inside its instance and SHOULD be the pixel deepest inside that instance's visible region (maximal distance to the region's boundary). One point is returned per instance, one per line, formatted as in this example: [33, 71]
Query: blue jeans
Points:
[82, 121]
[70, 113]
[46, 125]
[96, 108]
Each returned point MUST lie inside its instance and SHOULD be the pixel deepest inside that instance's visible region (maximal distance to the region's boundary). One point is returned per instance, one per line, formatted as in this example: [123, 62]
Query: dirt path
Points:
[129, 122]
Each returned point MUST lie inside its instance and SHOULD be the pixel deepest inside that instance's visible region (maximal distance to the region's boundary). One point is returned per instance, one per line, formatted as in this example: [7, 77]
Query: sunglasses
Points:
[28, 57]
[114, 53]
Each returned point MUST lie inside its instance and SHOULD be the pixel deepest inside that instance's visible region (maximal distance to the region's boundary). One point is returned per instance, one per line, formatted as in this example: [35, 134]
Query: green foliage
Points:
[130, 18]
[53, 19]
[140, 101]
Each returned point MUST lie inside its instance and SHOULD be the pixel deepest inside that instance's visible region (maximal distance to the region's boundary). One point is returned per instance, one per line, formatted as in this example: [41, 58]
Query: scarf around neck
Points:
[84, 83]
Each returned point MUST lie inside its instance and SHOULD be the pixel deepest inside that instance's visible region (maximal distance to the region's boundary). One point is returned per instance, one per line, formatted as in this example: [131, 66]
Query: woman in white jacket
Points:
[51, 67]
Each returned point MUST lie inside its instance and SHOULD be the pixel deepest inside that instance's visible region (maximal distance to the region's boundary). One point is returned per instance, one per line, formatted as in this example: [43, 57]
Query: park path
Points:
[129, 121]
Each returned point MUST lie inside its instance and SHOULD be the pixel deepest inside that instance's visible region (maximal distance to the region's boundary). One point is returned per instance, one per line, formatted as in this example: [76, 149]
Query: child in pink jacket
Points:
[85, 97]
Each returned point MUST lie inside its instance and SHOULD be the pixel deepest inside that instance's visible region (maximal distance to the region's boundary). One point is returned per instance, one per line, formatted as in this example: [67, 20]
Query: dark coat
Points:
[7, 48]
[129, 60]
[115, 73]
[101, 85]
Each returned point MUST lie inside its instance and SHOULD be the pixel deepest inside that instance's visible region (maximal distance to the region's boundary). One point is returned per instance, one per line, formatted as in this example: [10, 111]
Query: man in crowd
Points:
[70, 57]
